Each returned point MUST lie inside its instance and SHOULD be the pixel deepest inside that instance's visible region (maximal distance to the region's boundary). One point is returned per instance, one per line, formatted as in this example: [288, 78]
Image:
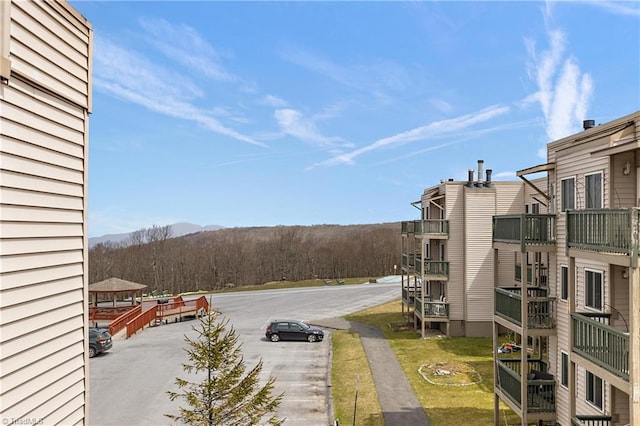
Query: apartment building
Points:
[579, 329]
[448, 264]
[45, 101]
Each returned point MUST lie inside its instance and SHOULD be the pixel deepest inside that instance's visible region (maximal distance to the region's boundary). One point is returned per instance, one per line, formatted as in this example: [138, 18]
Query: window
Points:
[564, 282]
[535, 208]
[593, 289]
[593, 191]
[564, 379]
[594, 389]
[568, 194]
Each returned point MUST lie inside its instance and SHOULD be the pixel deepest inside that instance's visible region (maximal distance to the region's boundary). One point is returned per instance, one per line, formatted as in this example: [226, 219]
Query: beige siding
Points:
[455, 250]
[480, 206]
[43, 169]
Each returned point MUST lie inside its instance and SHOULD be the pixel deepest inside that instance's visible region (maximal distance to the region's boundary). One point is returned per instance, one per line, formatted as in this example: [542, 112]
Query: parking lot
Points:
[128, 385]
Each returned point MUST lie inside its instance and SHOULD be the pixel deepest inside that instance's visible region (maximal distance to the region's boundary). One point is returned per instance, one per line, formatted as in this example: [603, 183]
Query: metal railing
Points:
[525, 229]
[541, 393]
[591, 420]
[540, 307]
[601, 343]
[603, 230]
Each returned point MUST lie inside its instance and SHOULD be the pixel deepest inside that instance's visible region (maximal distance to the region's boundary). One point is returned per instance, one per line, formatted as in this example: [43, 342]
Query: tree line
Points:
[229, 257]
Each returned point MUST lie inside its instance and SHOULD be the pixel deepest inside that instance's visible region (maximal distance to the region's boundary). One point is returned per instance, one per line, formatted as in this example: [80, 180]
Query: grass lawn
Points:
[451, 377]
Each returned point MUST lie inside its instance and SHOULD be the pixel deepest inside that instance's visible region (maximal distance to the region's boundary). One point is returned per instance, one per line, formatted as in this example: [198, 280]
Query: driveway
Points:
[128, 384]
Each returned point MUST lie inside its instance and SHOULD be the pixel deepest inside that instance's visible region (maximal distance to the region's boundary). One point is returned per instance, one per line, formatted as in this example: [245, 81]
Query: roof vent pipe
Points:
[480, 164]
[470, 181]
[488, 183]
[588, 124]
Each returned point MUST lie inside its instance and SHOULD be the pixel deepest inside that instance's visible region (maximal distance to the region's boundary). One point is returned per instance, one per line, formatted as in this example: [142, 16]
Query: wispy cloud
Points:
[431, 130]
[564, 91]
[272, 101]
[374, 76]
[294, 123]
[183, 44]
[130, 76]
[627, 8]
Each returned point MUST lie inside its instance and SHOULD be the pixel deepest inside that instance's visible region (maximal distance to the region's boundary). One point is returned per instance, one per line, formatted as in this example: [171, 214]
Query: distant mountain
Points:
[177, 230]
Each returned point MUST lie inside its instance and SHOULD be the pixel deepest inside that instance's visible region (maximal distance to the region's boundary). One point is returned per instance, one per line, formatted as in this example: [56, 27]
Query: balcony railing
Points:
[591, 420]
[408, 260]
[432, 309]
[600, 343]
[540, 307]
[603, 230]
[409, 294]
[411, 227]
[437, 227]
[542, 277]
[525, 229]
[432, 269]
[541, 393]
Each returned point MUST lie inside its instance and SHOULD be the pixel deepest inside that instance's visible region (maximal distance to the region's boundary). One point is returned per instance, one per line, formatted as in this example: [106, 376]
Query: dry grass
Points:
[349, 369]
[471, 404]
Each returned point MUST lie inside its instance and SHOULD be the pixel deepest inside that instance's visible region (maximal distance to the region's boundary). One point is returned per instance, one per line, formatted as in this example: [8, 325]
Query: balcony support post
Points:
[572, 309]
[524, 370]
[634, 343]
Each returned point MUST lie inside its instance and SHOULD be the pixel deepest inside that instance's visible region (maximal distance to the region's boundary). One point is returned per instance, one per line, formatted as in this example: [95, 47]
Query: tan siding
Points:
[57, 50]
[509, 198]
[26, 198]
[480, 207]
[455, 251]
[43, 199]
[623, 192]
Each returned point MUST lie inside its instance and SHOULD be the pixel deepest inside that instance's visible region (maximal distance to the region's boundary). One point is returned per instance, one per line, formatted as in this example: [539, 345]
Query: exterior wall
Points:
[44, 105]
[455, 250]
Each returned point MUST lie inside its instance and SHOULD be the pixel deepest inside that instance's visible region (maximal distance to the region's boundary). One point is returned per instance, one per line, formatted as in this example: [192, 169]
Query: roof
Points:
[115, 285]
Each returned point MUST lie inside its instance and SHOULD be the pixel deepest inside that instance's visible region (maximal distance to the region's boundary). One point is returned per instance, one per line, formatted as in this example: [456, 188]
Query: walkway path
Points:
[397, 399]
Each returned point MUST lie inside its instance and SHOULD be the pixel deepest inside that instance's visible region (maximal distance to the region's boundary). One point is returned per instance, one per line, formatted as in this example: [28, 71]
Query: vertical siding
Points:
[43, 156]
[480, 207]
[455, 250]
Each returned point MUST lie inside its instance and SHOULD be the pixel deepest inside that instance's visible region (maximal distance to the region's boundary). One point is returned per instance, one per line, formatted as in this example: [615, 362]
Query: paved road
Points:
[128, 385]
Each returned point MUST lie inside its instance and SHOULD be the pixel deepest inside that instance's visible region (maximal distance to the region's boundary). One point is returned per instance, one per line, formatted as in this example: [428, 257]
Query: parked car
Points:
[99, 341]
[293, 330]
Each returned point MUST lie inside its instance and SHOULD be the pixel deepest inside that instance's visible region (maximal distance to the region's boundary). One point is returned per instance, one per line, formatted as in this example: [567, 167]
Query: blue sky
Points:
[299, 113]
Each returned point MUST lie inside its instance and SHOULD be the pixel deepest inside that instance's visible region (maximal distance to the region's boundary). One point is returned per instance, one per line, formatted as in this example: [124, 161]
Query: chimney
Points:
[488, 183]
[480, 164]
[588, 124]
[470, 181]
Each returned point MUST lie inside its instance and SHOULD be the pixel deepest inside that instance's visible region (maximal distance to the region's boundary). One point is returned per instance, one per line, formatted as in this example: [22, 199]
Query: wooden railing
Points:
[408, 226]
[542, 275]
[436, 268]
[108, 313]
[435, 227]
[408, 260]
[603, 230]
[540, 307]
[525, 229]
[121, 322]
[591, 420]
[600, 343]
[541, 393]
[142, 320]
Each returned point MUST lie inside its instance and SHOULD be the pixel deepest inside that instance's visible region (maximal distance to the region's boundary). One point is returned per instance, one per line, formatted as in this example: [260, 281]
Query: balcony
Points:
[431, 270]
[542, 277]
[409, 226]
[433, 228]
[408, 261]
[541, 393]
[410, 294]
[591, 420]
[603, 230]
[600, 343]
[535, 231]
[432, 310]
[540, 307]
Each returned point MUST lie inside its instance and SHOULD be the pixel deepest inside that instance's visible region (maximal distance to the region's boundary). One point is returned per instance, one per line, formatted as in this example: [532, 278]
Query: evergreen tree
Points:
[225, 396]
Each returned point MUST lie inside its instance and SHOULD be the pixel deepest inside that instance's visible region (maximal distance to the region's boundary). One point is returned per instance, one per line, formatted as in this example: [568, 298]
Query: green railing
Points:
[408, 260]
[591, 420]
[407, 226]
[436, 267]
[603, 230]
[525, 229]
[540, 307]
[434, 227]
[433, 309]
[543, 274]
[541, 393]
[600, 343]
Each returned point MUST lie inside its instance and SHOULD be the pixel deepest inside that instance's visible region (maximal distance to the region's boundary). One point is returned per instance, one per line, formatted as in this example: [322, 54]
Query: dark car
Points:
[293, 330]
[99, 341]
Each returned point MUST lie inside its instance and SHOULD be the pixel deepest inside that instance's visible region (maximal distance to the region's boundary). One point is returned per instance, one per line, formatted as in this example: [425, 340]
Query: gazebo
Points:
[114, 287]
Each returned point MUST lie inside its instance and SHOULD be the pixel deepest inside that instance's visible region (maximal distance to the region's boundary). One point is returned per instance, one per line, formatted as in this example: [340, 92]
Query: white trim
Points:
[584, 284]
[601, 173]
[575, 180]
[562, 352]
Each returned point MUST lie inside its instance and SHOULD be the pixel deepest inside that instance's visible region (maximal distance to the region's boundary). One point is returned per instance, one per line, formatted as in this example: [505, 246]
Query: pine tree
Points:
[225, 396]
